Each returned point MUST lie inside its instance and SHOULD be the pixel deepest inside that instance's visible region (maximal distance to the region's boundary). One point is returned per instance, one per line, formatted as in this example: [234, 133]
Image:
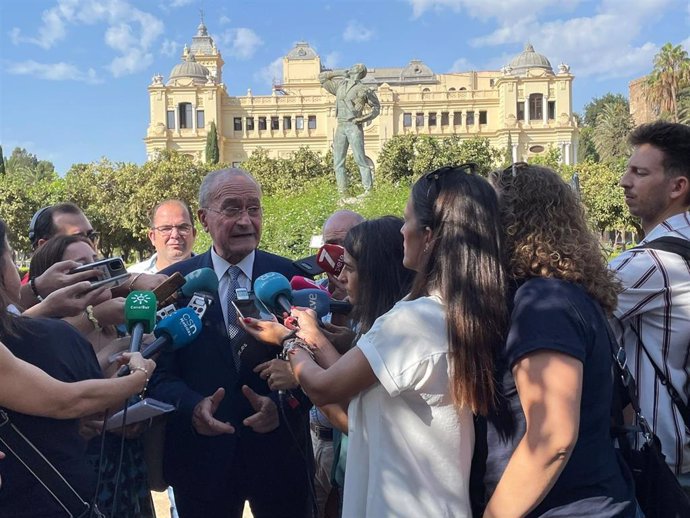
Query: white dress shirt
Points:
[220, 266]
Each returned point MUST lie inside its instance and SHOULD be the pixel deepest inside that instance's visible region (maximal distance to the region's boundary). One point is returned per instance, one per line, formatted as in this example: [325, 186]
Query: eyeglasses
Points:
[91, 235]
[469, 168]
[184, 230]
[236, 213]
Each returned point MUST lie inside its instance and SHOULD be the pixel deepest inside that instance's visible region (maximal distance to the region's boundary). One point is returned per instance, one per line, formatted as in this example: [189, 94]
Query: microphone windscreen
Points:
[182, 327]
[203, 279]
[302, 283]
[313, 299]
[140, 308]
[331, 258]
[269, 287]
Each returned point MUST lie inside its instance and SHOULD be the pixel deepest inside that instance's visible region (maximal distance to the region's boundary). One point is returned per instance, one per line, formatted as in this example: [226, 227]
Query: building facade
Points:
[525, 105]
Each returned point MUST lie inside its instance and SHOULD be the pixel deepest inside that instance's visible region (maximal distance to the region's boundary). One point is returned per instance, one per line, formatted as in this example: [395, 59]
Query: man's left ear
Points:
[681, 186]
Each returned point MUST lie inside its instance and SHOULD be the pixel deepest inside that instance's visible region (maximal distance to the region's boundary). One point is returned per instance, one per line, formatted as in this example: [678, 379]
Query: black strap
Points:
[675, 396]
[681, 247]
[41, 468]
[675, 245]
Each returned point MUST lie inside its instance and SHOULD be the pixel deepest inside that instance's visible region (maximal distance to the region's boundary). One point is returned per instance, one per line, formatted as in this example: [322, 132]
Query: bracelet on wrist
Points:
[291, 345]
[132, 370]
[291, 334]
[92, 318]
[130, 288]
[32, 284]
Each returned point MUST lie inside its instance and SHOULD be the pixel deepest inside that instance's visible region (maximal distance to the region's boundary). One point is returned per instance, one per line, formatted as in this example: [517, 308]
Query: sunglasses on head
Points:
[468, 168]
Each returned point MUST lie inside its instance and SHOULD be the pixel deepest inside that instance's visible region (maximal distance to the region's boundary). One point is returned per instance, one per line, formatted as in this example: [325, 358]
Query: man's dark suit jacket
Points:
[203, 465]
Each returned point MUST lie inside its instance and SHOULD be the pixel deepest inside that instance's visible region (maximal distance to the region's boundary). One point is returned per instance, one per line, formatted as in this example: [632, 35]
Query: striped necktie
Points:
[233, 274]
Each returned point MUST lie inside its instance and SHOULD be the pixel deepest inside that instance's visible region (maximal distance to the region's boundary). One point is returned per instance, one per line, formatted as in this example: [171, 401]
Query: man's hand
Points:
[111, 312]
[278, 374]
[69, 301]
[202, 419]
[266, 418]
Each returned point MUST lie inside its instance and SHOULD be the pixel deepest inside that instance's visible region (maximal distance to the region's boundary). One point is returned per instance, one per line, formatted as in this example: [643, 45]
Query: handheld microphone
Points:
[273, 290]
[320, 302]
[302, 283]
[176, 331]
[331, 258]
[140, 316]
[199, 283]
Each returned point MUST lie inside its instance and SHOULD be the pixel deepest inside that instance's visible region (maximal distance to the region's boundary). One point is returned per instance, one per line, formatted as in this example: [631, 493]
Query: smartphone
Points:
[115, 281]
[112, 267]
[251, 307]
[308, 265]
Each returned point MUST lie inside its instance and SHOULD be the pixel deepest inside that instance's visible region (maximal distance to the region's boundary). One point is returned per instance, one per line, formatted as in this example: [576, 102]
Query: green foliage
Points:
[670, 76]
[212, 153]
[28, 167]
[586, 149]
[594, 107]
[2, 163]
[406, 157]
[614, 125]
[508, 153]
[551, 158]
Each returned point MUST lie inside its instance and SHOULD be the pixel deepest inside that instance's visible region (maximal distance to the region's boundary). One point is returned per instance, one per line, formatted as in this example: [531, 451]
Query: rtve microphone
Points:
[273, 290]
[331, 258]
[303, 283]
[140, 316]
[175, 331]
[320, 302]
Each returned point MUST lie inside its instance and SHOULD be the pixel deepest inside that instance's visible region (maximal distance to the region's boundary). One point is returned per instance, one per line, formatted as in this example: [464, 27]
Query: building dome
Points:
[189, 69]
[527, 59]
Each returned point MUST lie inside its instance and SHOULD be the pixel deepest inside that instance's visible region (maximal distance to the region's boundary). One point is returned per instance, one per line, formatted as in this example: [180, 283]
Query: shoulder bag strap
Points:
[41, 468]
[675, 245]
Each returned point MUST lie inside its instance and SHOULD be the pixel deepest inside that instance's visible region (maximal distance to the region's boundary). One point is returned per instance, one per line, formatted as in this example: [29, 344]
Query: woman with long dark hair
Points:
[415, 377]
[550, 452]
[60, 351]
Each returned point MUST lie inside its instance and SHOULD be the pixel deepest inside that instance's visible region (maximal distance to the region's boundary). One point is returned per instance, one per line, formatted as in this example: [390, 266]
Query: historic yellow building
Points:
[525, 104]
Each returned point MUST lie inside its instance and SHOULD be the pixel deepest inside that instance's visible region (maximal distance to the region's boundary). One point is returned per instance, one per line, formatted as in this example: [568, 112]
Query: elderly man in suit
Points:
[232, 440]
[351, 99]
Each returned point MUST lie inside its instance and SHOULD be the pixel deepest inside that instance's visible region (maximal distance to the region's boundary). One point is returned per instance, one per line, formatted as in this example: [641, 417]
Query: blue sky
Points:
[73, 73]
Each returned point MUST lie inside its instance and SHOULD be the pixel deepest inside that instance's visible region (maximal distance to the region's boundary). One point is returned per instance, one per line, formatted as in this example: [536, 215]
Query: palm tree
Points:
[610, 135]
[671, 73]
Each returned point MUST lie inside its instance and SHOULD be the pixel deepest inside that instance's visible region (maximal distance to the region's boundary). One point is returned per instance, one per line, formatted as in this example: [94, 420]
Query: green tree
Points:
[2, 163]
[670, 75]
[212, 153]
[551, 158]
[508, 153]
[594, 107]
[614, 125]
[27, 166]
[586, 149]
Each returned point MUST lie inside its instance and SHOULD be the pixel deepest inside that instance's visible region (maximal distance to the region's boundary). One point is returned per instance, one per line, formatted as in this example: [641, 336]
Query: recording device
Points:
[112, 280]
[302, 283]
[140, 316]
[168, 288]
[320, 302]
[331, 258]
[174, 331]
[251, 307]
[273, 290]
[308, 266]
[109, 269]
[200, 285]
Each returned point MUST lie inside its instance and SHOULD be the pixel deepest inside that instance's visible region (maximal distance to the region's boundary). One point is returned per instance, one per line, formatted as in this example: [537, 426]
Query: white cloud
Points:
[357, 32]
[243, 42]
[130, 31]
[180, 3]
[169, 47]
[53, 71]
[506, 10]
[332, 59]
[686, 44]
[224, 20]
[462, 65]
[271, 72]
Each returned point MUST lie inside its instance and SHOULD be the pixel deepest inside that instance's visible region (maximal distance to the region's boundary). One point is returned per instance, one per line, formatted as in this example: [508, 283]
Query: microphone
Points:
[303, 283]
[331, 258]
[273, 290]
[202, 282]
[321, 302]
[140, 316]
[176, 331]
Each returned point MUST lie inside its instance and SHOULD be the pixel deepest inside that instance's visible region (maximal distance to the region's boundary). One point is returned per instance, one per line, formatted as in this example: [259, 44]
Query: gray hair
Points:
[210, 183]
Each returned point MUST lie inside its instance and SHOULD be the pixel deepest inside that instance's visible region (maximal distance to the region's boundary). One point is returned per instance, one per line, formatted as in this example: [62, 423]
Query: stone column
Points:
[545, 109]
[567, 153]
[527, 110]
[194, 117]
[176, 108]
[515, 152]
[575, 152]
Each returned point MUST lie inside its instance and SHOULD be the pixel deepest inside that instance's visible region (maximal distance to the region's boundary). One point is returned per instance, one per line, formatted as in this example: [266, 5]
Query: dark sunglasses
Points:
[514, 168]
[468, 168]
[92, 236]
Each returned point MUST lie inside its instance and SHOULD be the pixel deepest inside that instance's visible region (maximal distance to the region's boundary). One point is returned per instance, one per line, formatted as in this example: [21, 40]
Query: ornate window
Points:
[469, 118]
[407, 120]
[262, 123]
[536, 111]
[299, 122]
[185, 113]
[457, 118]
[170, 116]
[237, 123]
[432, 118]
[419, 119]
[444, 119]
[482, 117]
[311, 122]
[200, 122]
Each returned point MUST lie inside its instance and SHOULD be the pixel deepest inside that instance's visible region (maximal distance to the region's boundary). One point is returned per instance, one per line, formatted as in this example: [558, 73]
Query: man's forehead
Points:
[171, 211]
[237, 186]
[64, 219]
